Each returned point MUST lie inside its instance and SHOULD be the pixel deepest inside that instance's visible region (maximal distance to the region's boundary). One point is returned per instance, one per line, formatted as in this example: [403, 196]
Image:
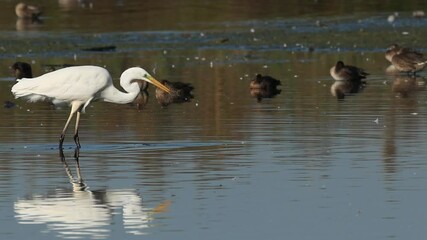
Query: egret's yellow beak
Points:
[158, 84]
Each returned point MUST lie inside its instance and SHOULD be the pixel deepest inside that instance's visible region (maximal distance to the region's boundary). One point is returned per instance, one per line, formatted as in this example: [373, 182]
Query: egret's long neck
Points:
[112, 94]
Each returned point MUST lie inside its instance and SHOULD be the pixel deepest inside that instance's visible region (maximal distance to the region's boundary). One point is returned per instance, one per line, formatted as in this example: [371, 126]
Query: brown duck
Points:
[264, 87]
[22, 70]
[180, 92]
[405, 59]
[264, 82]
[25, 11]
[342, 72]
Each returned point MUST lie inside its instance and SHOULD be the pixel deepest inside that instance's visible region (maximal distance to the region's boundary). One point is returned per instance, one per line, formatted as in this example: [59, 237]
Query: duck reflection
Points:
[180, 93]
[68, 5]
[342, 88]
[83, 213]
[264, 87]
[25, 24]
[392, 70]
[259, 94]
[28, 17]
[141, 100]
[406, 86]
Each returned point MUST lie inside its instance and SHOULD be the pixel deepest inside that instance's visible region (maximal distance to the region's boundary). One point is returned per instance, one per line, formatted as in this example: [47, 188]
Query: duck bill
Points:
[158, 84]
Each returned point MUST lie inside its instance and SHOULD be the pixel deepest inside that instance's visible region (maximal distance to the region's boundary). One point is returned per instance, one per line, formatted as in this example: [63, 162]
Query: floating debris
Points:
[223, 40]
[8, 104]
[100, 49]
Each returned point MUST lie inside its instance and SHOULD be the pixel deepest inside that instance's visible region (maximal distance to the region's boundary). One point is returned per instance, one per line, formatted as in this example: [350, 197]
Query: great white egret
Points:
[180, 92]
[78, 86]
[405, 59]
[342, 72]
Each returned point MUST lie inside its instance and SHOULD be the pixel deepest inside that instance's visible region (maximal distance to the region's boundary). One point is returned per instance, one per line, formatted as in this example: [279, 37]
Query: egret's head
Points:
[137, 73]
[147, 77]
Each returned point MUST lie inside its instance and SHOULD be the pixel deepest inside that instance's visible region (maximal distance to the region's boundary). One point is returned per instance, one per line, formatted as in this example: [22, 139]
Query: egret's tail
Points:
[24, 88]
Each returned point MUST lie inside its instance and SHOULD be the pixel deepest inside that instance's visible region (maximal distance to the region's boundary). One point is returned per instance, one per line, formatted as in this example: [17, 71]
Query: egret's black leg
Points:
[76, 130]
[75, 107]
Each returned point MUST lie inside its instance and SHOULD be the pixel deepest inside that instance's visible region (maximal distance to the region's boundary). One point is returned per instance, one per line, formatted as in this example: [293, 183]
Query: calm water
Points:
[300, 165]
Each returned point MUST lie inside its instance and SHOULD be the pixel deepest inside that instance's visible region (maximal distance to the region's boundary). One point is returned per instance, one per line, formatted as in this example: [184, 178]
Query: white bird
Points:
[78, 86]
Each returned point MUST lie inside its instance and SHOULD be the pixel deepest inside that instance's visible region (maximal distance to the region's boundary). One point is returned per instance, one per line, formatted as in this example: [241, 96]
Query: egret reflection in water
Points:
[78, 183]
[84, 212]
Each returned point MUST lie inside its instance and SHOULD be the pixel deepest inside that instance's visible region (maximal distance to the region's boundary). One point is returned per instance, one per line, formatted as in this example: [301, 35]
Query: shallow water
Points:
[300, 165]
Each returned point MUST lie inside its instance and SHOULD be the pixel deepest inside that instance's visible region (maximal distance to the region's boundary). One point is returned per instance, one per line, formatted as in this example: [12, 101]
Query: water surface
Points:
[299, 165]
